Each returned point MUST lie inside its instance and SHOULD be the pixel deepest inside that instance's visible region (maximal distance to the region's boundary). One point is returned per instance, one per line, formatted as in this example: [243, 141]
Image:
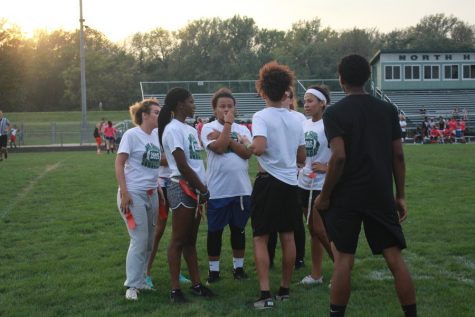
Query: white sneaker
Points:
[309, 280]
[131, 293]
[146, 287]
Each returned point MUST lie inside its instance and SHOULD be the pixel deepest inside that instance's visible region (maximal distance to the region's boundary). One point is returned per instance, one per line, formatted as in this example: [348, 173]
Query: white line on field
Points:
[467, 263]
[380, 275]
[26, 190]
[458, 276]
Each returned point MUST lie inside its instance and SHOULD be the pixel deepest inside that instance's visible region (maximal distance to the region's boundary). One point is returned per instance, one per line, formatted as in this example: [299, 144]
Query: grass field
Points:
[63, 246]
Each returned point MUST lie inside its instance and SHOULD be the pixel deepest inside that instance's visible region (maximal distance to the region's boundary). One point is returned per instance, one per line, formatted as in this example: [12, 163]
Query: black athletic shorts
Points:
[303, 197]
[3, 140]
[274, 206]
[382, 229]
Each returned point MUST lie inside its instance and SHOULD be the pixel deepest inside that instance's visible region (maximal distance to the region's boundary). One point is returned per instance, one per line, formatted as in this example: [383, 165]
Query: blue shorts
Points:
[232, 210]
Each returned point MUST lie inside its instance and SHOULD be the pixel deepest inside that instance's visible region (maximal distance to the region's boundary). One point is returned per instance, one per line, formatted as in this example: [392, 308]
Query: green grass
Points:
[63, 245]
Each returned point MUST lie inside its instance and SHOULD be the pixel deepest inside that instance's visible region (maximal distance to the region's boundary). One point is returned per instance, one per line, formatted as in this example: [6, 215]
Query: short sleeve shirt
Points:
[141, 167]
[284, 134]
[179, 135]
[368, 127]
[227, 174]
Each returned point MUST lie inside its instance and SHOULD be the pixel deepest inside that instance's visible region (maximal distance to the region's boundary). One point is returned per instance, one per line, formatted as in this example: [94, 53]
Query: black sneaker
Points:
[213, 277]
[239, 273]
[264, 303]
[200, 290]
[299, 264]
[282, 298]
[176, 296]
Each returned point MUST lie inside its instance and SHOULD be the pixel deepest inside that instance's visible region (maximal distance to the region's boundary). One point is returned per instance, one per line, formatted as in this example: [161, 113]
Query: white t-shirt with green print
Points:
[316, 145]
[179, 135]
[227, 174]
[141, 167]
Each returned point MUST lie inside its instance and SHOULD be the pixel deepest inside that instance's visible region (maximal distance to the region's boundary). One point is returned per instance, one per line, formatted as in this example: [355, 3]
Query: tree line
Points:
[42, 73]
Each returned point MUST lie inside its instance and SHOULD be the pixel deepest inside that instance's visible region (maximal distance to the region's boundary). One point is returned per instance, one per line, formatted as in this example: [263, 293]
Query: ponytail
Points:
[173, 97]
[164, 118]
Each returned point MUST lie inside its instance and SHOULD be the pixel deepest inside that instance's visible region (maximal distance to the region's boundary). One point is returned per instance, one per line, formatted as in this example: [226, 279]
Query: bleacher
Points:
[246, 103]
[436, 102]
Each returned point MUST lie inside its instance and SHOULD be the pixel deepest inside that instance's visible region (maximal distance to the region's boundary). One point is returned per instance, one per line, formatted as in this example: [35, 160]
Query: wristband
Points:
[228, 122]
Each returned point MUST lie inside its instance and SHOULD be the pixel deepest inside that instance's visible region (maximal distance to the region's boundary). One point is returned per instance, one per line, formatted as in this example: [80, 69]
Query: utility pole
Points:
[84, 128]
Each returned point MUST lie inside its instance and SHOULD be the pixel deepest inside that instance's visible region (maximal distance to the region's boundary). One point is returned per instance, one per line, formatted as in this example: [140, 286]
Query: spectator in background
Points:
[418, 136]
[249, 125]
[436, 135]
[110, 134]
[462, 126]
[102, 126]
[13, 132]
[97, 137]
[465, 114]
[425, 127]
[4, 128]
[199, 125]
[423, 111]
[455, 113]
[403, 124]
[452, 125]
[441, 123]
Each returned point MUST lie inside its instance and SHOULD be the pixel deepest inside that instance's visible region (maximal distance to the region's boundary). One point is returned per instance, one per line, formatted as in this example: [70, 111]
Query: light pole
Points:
[84, 132]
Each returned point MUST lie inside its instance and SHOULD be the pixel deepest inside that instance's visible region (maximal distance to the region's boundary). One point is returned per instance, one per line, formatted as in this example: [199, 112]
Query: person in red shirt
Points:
[452, 125]
[110, 135]
[435, 135]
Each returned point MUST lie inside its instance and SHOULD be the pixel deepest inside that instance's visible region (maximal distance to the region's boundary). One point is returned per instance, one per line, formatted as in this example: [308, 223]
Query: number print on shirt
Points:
[151, 156]
[311, 143]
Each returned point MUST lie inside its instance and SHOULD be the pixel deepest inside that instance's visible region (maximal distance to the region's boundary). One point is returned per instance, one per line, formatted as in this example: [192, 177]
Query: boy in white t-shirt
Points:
[278, 141]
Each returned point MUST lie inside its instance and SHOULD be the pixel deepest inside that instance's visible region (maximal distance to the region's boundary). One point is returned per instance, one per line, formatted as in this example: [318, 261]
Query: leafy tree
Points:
[12, 74]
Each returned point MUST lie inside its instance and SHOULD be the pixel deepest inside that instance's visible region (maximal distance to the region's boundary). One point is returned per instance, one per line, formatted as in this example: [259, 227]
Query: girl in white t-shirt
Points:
[312, 176]
[228, 181]
[136, 168]
[183, 151]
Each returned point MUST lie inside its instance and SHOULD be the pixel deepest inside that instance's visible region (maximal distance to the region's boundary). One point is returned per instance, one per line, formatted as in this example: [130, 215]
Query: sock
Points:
[265, 294]
[409, 310]
[283, 291]
[238, 262]
[214, 266]
[337, 310]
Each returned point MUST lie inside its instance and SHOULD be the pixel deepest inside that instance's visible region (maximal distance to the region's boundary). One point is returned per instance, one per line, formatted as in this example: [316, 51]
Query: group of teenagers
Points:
[330, 169]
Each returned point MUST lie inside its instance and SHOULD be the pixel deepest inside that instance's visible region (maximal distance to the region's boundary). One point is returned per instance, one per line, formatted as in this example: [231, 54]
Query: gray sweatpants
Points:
[144, 211]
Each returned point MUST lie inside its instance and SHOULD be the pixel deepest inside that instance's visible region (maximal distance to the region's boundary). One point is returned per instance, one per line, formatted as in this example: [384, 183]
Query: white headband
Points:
[317, 94]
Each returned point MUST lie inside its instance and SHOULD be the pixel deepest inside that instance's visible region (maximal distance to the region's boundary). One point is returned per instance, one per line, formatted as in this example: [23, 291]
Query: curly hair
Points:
[274, 80]
[354, 70]
[138, 108]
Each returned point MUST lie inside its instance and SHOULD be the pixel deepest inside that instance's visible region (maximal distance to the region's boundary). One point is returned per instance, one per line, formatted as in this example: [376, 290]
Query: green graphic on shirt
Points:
[194, 148]
[234, 136]
[311, 143]
[151, 156]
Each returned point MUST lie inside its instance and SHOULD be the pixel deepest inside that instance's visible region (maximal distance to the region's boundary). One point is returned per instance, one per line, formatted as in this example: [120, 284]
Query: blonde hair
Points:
[138, 108]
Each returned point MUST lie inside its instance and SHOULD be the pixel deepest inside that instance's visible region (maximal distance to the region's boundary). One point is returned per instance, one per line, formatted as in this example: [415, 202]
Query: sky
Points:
[118, 19]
